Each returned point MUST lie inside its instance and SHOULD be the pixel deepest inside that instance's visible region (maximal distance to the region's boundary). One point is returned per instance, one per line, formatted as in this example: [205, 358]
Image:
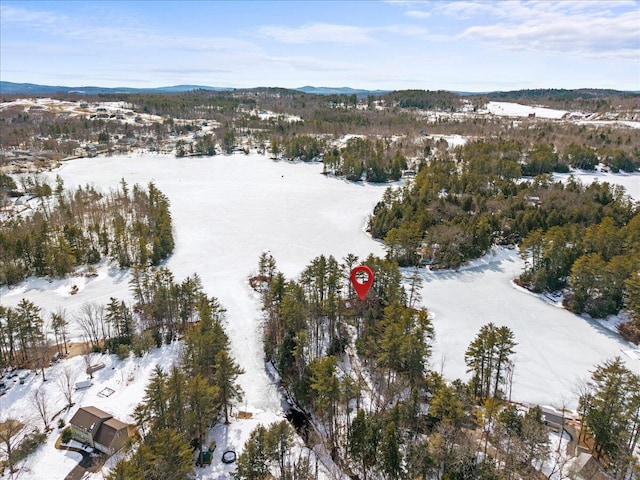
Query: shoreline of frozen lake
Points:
[556, 348]
[228, 209]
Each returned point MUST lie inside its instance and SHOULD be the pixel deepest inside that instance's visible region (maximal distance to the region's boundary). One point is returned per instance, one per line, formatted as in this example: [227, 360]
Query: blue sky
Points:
[462, 45]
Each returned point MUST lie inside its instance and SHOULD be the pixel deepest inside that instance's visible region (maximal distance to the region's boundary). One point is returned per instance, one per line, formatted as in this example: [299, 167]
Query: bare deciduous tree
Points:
[9, 429]
[66, 382]
[40, 400]
[87, 356]
[91, 321]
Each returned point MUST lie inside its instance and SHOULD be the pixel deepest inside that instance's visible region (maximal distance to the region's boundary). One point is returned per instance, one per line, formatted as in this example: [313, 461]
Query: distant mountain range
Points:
[11, 88]
[340, 91]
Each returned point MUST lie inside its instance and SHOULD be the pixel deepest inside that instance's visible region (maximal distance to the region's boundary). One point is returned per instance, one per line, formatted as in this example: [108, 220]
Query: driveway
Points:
[83, 466]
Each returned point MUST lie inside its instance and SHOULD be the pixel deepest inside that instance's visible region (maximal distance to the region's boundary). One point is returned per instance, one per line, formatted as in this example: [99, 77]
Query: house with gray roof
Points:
[99, 429]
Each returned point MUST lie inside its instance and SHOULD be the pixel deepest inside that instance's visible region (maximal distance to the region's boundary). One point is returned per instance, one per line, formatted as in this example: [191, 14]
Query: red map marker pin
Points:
[360, 283]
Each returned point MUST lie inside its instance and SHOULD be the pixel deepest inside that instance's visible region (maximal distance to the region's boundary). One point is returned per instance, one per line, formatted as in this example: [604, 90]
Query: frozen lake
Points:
[229, 209]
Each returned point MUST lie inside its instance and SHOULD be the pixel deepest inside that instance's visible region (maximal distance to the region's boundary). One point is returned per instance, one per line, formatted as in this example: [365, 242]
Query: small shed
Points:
[95, 367]
[83, 384]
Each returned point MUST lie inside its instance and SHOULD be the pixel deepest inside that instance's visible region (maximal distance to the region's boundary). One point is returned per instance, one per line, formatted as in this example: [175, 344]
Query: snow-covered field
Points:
[453, 140]
[229, 209]
[509, 109]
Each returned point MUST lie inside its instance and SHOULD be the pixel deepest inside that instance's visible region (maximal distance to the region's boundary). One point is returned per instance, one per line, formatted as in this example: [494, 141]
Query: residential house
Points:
[99, 429]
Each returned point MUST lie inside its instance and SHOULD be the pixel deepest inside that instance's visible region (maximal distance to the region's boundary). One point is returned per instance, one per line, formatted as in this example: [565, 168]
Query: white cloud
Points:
[340, 34]
[97, 31]
[586, 34]
[417, 14]
[318, 33]
[585, 29]
[34, 18]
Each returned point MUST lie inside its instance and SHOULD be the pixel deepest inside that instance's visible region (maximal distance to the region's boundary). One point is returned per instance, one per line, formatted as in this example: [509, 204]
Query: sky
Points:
[461, 45]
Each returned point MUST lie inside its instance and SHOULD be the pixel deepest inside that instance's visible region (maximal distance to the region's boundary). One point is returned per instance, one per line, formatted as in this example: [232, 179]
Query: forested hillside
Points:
[582, 238]
[69, 228]
[202, 122]
[360, 369]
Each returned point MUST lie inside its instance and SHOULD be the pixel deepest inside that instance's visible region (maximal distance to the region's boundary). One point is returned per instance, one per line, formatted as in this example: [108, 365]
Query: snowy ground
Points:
[75, 109]
[555, 348]
[630, 181]
[509, 109]
[229, 209]
[127, 379]
[453, 140]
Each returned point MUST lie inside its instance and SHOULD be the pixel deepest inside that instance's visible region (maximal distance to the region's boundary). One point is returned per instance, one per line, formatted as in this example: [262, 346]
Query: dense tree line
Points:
[425, 99]
[595, 263]
[360, 158]
[301, 147]
[361, 370]
[23, 339]
[402, 114]
[181, 404]
[42, 130]
[582, 237]
[271, 449]
[82, 226]
[631, 329]
[188, 105]
[373, 412]
[583, 99]
[163, 310]
[611, 412]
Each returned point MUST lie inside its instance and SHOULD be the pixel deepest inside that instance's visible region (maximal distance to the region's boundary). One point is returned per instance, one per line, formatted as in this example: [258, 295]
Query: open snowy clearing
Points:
[229, 209]
[509, 109]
